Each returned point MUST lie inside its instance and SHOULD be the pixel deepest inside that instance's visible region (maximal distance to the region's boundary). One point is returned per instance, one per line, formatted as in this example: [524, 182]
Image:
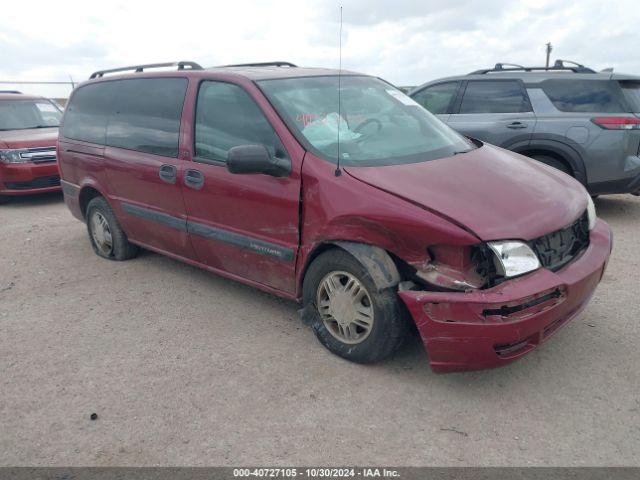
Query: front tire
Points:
[352, 318]
[105, 234]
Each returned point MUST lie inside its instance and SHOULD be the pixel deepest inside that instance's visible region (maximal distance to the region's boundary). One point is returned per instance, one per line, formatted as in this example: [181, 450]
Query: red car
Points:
[340, 192]
[28, 134]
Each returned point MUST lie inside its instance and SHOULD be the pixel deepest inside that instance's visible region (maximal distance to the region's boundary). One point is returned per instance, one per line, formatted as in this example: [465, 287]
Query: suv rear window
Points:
[592, 96]
[495, 96]
[631, 91]
[137, 114]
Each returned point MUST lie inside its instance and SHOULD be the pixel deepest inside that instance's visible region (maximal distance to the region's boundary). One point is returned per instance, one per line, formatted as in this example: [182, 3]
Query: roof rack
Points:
[11, 91]
[141, 68]
[262, 64]
[559, 65]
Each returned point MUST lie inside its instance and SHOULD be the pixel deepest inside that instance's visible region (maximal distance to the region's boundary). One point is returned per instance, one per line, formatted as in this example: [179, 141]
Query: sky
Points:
[407, 42]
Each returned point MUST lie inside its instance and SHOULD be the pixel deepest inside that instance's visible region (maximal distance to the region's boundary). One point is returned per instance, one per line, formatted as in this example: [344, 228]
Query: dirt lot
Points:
[186, 368]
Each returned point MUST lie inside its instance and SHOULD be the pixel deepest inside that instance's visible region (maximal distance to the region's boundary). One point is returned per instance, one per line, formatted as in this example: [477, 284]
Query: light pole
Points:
[549, 49]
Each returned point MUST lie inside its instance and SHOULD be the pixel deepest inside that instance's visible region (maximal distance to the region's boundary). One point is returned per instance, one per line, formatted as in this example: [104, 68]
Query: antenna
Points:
[338, 171]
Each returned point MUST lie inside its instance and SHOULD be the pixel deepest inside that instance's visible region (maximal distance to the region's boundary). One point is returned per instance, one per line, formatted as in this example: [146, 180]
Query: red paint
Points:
[457, 336]
[27, 172]
[459, 201]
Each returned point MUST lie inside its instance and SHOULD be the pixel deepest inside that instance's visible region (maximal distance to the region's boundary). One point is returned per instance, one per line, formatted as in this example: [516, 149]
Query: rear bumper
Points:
[493, 327]
[29, 178]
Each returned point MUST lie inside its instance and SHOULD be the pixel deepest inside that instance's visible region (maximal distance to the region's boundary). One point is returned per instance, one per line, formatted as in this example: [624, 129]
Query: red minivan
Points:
[28, 134]
[336, 190]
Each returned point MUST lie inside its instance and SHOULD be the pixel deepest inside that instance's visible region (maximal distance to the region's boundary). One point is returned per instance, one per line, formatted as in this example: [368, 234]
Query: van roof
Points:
[251, 71]
[272, 72]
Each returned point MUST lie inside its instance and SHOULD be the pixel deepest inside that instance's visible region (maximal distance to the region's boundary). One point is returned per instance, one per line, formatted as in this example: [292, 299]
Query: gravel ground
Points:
[185, 368]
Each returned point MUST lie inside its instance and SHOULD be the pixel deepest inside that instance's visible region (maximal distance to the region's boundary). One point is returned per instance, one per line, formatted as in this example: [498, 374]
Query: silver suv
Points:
[582, 122]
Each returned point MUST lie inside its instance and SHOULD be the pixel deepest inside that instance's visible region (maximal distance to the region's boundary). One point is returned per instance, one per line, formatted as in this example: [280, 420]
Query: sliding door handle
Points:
[193, 179]
[168, 173]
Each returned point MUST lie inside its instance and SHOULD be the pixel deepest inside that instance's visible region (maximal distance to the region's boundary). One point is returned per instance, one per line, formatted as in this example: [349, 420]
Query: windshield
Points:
[377, 124]
[632, 94]
[24, 114]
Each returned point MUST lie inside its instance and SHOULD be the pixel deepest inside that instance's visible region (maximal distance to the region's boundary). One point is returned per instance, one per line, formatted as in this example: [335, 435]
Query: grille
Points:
[39, 182]
[558, 248]
[40, 155]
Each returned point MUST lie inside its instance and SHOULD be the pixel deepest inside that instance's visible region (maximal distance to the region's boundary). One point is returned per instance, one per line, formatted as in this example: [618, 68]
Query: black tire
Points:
[4, 199]
[120, 248]
[390, 324]
[553, 162]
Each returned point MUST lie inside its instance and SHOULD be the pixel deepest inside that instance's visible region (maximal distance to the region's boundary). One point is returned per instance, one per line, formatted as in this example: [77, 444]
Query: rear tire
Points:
[4, 199]
[553, 162]
[105, 234]
[357, 321]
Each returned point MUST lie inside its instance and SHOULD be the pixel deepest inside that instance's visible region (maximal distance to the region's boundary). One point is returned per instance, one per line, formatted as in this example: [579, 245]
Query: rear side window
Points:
[88, 111]
[439, 98]
[486, 96]
[585, 96]
[226, 117]
[146, 115]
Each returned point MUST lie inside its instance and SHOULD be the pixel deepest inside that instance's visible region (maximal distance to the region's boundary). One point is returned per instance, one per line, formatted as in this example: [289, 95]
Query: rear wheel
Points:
[4, 199]
[105, 234]
[553, 162]
[353, 319]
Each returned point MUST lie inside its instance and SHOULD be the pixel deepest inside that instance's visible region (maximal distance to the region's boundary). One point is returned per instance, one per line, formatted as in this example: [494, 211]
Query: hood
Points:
[35, 137]
[492, 192]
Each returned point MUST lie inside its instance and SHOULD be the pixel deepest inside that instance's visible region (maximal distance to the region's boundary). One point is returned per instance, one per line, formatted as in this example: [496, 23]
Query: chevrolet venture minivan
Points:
[362, 206]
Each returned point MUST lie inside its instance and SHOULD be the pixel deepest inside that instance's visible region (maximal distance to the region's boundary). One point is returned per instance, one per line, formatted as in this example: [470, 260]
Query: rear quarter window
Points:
[136, 114]
[87, 113]
[495, 96]
[585, 96]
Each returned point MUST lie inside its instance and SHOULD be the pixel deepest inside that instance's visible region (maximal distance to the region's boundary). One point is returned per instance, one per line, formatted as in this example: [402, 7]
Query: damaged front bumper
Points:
[490, 328]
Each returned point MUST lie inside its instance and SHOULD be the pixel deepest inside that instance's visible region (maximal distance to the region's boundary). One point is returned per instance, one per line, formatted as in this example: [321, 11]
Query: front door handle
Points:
[193, 179]
[168, 173]
[516, 125]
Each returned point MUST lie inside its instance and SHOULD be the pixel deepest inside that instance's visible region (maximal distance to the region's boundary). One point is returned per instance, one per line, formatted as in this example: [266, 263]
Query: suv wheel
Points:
[351, 317]
[553, 162]
[107, 237]
[4, 199]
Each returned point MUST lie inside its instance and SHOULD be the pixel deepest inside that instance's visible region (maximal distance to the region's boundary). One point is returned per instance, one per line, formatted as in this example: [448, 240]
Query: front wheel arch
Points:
[377, 260]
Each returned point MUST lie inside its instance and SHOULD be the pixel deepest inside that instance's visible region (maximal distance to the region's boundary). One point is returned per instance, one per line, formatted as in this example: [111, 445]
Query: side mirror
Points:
[256, 159]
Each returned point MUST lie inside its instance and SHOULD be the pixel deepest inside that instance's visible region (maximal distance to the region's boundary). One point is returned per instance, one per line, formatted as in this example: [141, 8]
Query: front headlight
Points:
[591, 212]
[513, 258]
[12, 156]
